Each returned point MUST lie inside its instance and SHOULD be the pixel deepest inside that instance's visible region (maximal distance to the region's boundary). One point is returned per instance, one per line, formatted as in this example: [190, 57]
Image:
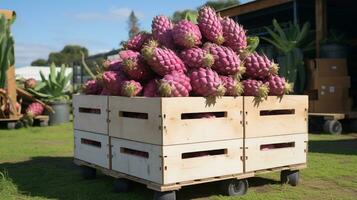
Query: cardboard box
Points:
[329, 82]
[327, 67]
[330, 106]
[331, 92]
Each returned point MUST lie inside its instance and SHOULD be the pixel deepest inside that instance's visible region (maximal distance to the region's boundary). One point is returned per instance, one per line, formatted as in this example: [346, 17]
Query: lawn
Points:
[36, 163]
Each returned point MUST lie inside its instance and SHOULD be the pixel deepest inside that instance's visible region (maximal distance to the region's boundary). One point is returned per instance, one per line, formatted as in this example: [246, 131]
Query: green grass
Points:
[37, 163]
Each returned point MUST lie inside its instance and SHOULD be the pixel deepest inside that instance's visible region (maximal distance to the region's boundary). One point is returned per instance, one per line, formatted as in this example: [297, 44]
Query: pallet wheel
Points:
[289, 177]
[235, 187]
[11, 125]
[122, 185]
[332, 127]
[43, 123]
[88, 172]
[171, 195]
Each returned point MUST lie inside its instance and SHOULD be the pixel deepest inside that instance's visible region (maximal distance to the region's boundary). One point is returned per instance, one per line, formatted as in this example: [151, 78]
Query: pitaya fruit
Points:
[186, 34]
[233, 87]
[175, 84]
[278, 86]
[234, 35]
[112, 82]
[136, 42]
[162, 60]
[210, 25]
[151, 89]
[105, 92]
[92, 87]
[259, 67]
[135, 68]
[196, 58]
[255, 88]
[34, 109]
[30, 83]
[162, 31]
[125, 54]
[226, 61]
[206, 82]
[131, 88]
[112, 65]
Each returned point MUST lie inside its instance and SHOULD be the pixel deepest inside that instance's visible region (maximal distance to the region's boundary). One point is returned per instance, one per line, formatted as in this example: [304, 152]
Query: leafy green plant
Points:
[291, 42]
[7, 56]
[55, 87]
[334, 37]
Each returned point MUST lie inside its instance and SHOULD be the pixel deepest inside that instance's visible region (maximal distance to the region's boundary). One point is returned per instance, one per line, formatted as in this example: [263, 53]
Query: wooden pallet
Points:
[335, 116]
[179, 185]
[41, 120]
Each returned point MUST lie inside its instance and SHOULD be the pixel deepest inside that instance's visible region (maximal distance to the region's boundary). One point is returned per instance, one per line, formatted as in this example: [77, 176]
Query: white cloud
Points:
[113, 14]
[25, 53]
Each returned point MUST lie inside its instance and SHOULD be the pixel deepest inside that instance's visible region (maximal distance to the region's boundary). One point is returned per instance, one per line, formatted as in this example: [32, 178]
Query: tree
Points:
[220, 4]
[39, 62]
[178, 15]
[133, 23]
[68, 55]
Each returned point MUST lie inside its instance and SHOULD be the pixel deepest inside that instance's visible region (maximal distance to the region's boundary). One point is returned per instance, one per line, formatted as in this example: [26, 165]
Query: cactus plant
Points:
[7, 57]
[55, 87]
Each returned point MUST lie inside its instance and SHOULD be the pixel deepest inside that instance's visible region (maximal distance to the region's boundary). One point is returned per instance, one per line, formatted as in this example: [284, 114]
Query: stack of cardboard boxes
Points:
[328, 86]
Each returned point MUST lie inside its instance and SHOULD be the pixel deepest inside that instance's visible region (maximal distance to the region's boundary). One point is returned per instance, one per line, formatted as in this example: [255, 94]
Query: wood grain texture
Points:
[86, 121]
[257, 125]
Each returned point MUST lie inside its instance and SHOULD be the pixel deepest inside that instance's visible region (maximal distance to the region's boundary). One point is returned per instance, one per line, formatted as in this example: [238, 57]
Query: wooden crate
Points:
[276, 116]
[177, 163]
[168, 121]
[90, 113]
[275, 151]
[92, 148]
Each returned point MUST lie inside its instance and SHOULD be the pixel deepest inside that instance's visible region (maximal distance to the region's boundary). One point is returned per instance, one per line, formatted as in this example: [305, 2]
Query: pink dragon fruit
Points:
[105, 92]
[234, 35]
[255, 88]
[210, 25]
[226, 62]
[30, 83]
[126, 54]
[196, 58]
[151, 89]
[206, 82]
[278, 86]
[112, 82]
[136, 42]
[112, 65]
[162, 31]
[259, 67]
[135, 68]
[233, 87]
[131, 88]
[35, 109]
[175, 84]
[162, 60]
[186, 34]
[92, 87]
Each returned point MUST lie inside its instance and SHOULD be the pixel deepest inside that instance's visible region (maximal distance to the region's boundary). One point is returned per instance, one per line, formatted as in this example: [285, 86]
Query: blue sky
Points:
[43, 26]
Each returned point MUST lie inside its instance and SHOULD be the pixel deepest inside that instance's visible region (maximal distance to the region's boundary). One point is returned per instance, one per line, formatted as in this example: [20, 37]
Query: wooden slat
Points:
[321, 23]
[11, 89]
[258, 125]
[92, 122]
[145, 130]
[251, 7]
[180, 131]
[90, 153]
[180, 170]
[260, 159]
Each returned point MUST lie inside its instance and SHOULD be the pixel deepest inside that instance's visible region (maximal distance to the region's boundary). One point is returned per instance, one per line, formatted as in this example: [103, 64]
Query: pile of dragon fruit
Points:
[209, 59]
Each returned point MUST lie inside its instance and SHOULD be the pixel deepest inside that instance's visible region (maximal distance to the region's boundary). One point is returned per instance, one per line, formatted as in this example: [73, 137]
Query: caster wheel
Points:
[122, 185]
[235, 187]
[88, 172]
[11, 125]
[289, 177]
[333, 127]
[165, 195]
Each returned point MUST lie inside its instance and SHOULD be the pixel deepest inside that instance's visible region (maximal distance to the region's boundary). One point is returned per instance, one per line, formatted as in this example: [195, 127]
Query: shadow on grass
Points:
[344, 147]
[59, 178]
